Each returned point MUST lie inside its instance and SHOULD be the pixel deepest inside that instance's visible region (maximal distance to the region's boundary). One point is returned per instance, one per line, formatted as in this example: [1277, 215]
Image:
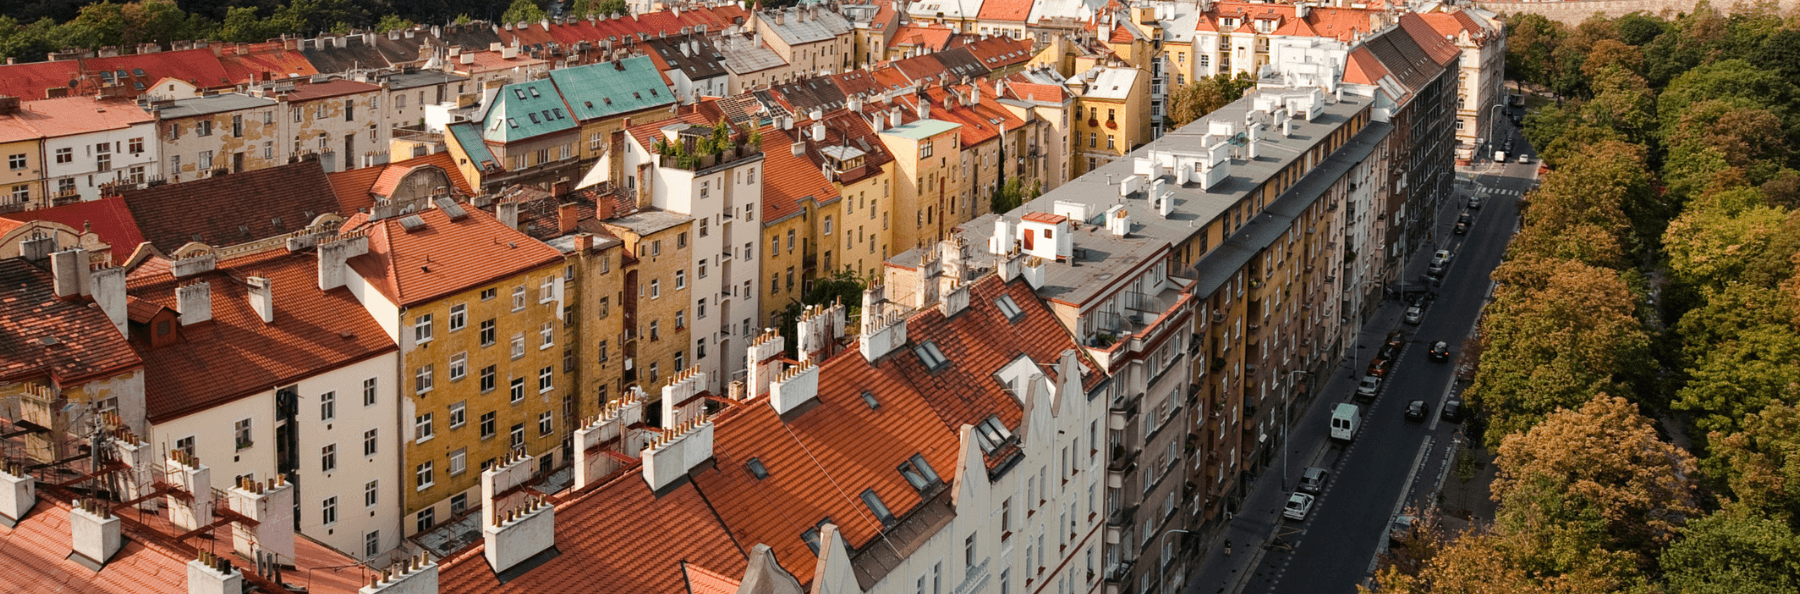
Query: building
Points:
[1481, 80]
[802, 219]
[811, 40]
[289, 198]
[215, 134]
[89, 143]
[22, 184]
[875, 24]
[339, 120]
[434, 279]
[693, 65]
[603, 96]
[861, 170]
[1117, 118]
[752, 64]
[925, 178]
[305, 380]
[1040, 92]
[655, 299]
[522, 133]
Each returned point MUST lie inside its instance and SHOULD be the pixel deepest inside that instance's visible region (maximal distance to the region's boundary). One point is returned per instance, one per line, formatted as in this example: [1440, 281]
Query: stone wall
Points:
[1573, 12]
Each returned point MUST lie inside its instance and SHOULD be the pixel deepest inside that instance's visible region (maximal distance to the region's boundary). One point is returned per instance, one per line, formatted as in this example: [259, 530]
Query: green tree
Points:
[1720, 235]
[1008, 196]
[1531, 41]
[1734, 552]
[1734, 80]
[1760, 366]
[523, 11]
[582, 8]
[1638, 28]
[1760, 463]
[1206, 95]
[393, 22]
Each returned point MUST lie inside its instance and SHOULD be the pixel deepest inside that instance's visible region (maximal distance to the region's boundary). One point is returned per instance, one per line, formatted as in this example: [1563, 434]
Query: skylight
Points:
[991, 434]
[869, 398]
[878, 508]
[757, 469]
[933, 358]
[1009, 308]
[919, 474]
[811, 535]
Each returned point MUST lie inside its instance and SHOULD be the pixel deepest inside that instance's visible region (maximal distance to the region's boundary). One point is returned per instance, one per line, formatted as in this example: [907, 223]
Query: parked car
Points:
[1508, 146]
[1414, 315]
[1524, 158]
[1380, 366]
[1366, 389]
[1416, 410]
[1475, 201]
[1452, 411]
[1463, 223]
[1297, 506]
[1440, 351]
[1396, 340]
[1400, 529]
[1313, 480]
[1440, 263]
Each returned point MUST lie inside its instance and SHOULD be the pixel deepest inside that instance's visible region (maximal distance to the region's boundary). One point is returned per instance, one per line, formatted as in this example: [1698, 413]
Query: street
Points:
[1393, 463]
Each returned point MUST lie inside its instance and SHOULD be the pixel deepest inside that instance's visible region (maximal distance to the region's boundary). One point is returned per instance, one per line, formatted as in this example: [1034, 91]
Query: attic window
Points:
[933, 358]
[137, 71]
[534, 92]
[756, 468]
[1009, 308]
[991, 434]
[519, 92]
[653, 93]
[869, 398]
[636, 95]
[880, 509]
[589, 104]
[919, 474]
[558, 112]
[512, 122]
[533, 116]
[811, 535]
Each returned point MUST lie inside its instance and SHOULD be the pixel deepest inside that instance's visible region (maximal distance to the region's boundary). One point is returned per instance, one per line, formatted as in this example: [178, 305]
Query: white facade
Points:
[79, 164]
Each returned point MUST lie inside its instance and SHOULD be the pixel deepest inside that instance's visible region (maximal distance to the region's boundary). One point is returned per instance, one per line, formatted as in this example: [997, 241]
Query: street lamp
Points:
[1494, 124]
[1162, 564]
[1285, 404]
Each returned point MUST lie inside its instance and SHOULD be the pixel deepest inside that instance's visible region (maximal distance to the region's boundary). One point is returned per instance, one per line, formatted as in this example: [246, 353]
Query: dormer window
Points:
[811, 535]
[878, 508]
[933, 358]
[991, 434]
[869, 399]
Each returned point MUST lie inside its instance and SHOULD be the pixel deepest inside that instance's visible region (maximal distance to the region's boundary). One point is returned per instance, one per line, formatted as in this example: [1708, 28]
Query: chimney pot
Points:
[194, 303]
[262, 298]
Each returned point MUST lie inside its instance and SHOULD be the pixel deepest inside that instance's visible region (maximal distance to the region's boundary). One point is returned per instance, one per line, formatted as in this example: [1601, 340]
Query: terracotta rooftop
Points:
[444, 256]
[108, 218]
[790, 180]
[1005, 10]
[215, 210]
[929, 37]
[357, 189]
[29, 81]
[65, 341]
[78, 115]
[259, 58]
[325, 90]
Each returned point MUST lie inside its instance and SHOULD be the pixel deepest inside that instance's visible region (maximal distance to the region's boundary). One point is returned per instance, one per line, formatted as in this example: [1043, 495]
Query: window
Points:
[458, 415]
[547, 289]
[203, 128]
[422, 379]
[15, 162]
[653, 332]
[655, 288]
[422, 329]
[459, 366]
[328, 511]
[328, 406]
[916, 470]
[518, 345]
[487, 424]
[422, 428]
[369, 392]
[544, 379]
[423, 475]
[459, 461]
[546, 336]
[487, 333]
[681, 279]
[1006, 581]
[372, 543]
[427, 518]
[1093, 139]
[602, 351]
[459, 317]
[371, 493]
[1009, 308]
[370, 443]
[827, 224]
[568, 360]
[518, 435]
[1006, 519]
[487, 378]
[243, 434]
[544, 423]
[517, 390]
[489, 294]
[518, 298]
[969, 550]
[65, 155]
[930, 355]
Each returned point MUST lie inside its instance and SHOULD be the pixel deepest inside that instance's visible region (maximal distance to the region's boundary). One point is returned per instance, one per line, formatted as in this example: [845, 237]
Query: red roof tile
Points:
[28, 81]
[789, 180]
[704, 581]
[78, 115]
[1441, 50]
[64, 340]
[236, 354]
[1044, 217]
[214, 210]
[357, 189]
[197, 66]
[258, 58]
[930, 37]
[1343, 24]
[444, 257]
[34, 557]
[335, 88]
[1000, 52]
[107, 218]
[1363, 67]
[1005, 10]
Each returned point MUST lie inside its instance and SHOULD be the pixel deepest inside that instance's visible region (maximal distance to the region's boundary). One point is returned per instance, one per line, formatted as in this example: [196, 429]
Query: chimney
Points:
[18, 493]
[507, 212]
[499, 486]
[192, 265]
[613, 422]
[678, 450]
[194, 303]
[818, 130]
[566, 217]
[69, 271]
[334, 258]
[894, 117]
[1008, 266]
[955, 296]
[1002, 243]
[262, 298]
[793, 387]
[882, 330]
[522, 533]
[924, 108]
[1033, 271]
[138, 481]
[1118, 222]
[271, 504]
[680, 398]
[763, 361]
[186, 473]
[1165, 199]
[95, 533]
[819, 329]
[37, 248]
[212, 574]
[953, 252]
[925, 285]
[415, 575]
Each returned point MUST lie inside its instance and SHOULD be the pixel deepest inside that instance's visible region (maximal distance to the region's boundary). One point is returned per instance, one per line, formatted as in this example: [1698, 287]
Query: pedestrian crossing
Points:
[1500, 192]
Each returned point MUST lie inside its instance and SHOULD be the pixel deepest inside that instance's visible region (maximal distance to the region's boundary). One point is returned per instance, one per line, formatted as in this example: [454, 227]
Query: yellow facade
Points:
[785, 244]
[863, 238]
[594, 291]
[496, 381]
[652, 303]
[927, 173]
[22, 181]
[1107, 128]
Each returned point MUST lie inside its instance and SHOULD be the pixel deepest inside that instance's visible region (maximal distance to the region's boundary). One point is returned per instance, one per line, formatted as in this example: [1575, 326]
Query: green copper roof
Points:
[921, 129]
[610, 88]
[525, 110]
[469, 138]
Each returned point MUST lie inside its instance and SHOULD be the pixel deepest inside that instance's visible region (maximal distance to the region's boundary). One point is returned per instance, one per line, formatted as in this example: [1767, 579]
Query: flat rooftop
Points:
[645, 222]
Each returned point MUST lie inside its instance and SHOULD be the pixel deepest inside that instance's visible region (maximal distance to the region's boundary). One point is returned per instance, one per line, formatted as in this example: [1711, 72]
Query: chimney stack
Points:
[188, 474]
[818, 331]
[1034, 271]
[192, 265]
[507, 212]
[680, 398]
[334, 259]
[212, 574]
[69, 272]
[271, 504]
[18, 493]
[522, 533]
[108, 288]
[670, 456]
[882, 330]
[415, 575]
[613, 422]
[763, 361]
[37, 248]
[925, 285]
[794, 386]
[954, 296]
[262, 297]
[194, 303]
[499, 485]
[95, 533]
[566, 217]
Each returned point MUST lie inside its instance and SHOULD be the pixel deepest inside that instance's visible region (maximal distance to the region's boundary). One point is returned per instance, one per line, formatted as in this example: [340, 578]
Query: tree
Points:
[523, 11]
[1206, 95]
[1745, 137]
[582, 8]
[1009, 196]
[393, 22]
[1734, 551]
[1761, 463]
[1758, 367]
[1720, 235]
[1531, 39]
[1735, 80]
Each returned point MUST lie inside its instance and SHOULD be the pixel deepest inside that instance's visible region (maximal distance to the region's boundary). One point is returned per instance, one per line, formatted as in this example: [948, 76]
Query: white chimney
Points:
[194, 303]
[1034, 271]
[794, 386]
[678, 450]
[613, 422]
[520, 533]
[762, 361]
[819, 328]
[498, 482]
[69, 271]
[37, 248]
[271, 504]
[95, 533]
[18, 493]
[1165, 199]
[192, 265]
[334, 259]
[262, 297]
[954, 296]
[680, 398]
[107, 285]
[1118, 221]
[882, 331]
[212, 574]
[186, 473]
[415, 575]
[818, 130]
[507, 212]
[925, 286]
[894, 120]
[924, 108]
[1002, 242]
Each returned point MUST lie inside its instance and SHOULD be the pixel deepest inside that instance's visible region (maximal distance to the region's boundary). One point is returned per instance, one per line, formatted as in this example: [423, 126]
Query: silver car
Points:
[1366, 390]
[1475, 202]
[1297, 506]
[1414, 315]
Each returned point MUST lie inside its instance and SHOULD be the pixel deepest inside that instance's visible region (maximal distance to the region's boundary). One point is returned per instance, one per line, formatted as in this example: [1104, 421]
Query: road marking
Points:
[1442, 399]
[1381, 547]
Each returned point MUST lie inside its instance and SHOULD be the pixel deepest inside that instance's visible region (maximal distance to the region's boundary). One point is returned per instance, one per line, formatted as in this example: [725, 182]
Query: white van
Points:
[1344, 420]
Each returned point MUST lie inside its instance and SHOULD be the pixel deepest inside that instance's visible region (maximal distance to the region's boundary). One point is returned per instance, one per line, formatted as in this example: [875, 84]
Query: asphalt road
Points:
[1394, 462]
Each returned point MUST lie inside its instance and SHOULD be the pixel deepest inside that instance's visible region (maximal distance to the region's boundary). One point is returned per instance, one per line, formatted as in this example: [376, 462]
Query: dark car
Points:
[1440, 351]
[1400, 529]
[1416, 410]
[1509, 145]
[1395, 341]
[1313, 481]
[1463, 223]
[1452, 411]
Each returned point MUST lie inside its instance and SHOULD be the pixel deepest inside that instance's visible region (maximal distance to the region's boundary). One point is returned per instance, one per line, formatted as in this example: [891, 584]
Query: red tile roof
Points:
[978, 120]
[1440, 50]
[78, 115]
[357, 189]
[258, 58]
[444, 257]
[1005, 10]
[335, 88]
[45, 337]
[108, 218]
[789, 181]
[928, 36]
[485, 61]
[197, 66]
[1363, 67]
[214, 210]
[1044, 217]
[1000, 52]
[237, 355]
[28, 81]
[1343, 24]
[704, 581]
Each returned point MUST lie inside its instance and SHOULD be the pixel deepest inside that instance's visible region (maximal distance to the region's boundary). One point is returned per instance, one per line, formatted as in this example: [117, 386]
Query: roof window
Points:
[756, 468]
[533, 116]
[811, 535]
[930, 355]
[880, 509]
[869, 398]
[589, 104]
[137, 72]
[558, 112]
[534, 91]
[919, 474]
[991, 434]
[1009, 308]
[512, 122]
[519, 92]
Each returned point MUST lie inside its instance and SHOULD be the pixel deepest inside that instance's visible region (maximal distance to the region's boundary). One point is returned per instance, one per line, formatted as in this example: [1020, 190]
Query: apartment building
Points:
[1481, 76]
[813, 40]
[304, 379]
[858, 165]
[875, 24]
[22, 184]
[713, 174]
[476, 309]
[1039, 92]
[752, 64]
[216, 134]
[603, 96]
[89, 143]
[802, 219]
[655, 299]
[522, 133]
[925, 177]
[692, 65]
[1112, 105]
